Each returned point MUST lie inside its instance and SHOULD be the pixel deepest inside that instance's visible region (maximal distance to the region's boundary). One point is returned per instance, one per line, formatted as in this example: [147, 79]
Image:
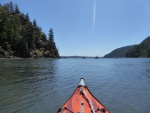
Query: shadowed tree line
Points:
[141, 50]
[134, 51]
[119, 52]
[22, 38]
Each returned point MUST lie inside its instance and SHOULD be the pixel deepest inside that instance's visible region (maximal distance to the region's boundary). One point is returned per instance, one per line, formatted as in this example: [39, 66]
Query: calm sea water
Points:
[43, 85]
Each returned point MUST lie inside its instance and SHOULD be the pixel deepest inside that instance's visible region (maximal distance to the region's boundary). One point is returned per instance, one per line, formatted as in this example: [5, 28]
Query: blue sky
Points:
[90, 27]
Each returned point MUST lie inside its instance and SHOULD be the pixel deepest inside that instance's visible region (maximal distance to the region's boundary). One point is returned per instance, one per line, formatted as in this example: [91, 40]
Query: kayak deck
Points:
[82, 101]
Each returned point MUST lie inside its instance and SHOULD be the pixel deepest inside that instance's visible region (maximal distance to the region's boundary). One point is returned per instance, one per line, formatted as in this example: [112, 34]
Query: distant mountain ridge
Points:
[133, 51]
[119, 52]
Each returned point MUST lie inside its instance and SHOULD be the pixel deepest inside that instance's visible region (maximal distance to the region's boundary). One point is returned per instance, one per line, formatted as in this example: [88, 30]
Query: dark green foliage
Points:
[20, 36]
[44, 37]
[51, 43]
[51, 35]
[17, 9]
[1, 51]
[34, 23]
[148, 53]
[6, 46]
[141, 50]
[120, 52]
[23, 46]
[11, 7]
[135, 51]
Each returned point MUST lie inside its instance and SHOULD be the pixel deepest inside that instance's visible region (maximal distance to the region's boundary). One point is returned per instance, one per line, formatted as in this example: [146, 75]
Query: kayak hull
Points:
[82, 101]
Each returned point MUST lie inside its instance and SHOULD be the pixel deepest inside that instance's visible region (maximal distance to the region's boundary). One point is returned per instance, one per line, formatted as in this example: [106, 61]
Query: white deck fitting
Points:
[82, 83]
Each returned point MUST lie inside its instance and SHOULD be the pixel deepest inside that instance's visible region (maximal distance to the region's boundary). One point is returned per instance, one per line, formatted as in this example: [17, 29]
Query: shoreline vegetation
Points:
[21, 38]
[141, 50]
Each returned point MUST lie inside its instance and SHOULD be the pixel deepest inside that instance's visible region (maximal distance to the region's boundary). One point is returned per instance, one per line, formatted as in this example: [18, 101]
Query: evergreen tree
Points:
[23, 46]
[6, 7]
[51, 40]
[51, 35]
[148, 53]
[17, 9]
[27, 17]
[52, 46]
[16, 39]
[34, 23]
[44, 37]
[11, 7]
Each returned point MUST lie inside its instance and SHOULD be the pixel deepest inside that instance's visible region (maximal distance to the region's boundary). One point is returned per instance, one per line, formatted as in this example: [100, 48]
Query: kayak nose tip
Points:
[82, 82]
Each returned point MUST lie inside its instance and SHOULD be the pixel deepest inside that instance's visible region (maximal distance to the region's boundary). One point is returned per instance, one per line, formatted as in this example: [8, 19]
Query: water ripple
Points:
[43, 85]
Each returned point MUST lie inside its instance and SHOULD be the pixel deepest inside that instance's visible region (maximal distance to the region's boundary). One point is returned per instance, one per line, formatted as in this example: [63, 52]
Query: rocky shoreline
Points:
[33, 54]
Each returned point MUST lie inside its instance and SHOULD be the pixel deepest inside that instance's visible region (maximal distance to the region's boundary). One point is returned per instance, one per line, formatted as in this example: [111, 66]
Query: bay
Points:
[43, 85]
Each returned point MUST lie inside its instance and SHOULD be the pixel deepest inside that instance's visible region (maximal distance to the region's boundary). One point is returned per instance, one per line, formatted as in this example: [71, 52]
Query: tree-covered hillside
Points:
[120, 52]
[141, 50]
[22, 38]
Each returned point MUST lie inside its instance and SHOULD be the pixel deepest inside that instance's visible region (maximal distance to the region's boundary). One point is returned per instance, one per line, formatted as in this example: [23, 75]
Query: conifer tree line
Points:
[140, 50]
[21, 37]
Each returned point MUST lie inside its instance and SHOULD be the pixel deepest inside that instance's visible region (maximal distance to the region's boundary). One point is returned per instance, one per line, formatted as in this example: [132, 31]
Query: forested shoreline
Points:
[134, 51]
[19, 37]
[140, 50]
